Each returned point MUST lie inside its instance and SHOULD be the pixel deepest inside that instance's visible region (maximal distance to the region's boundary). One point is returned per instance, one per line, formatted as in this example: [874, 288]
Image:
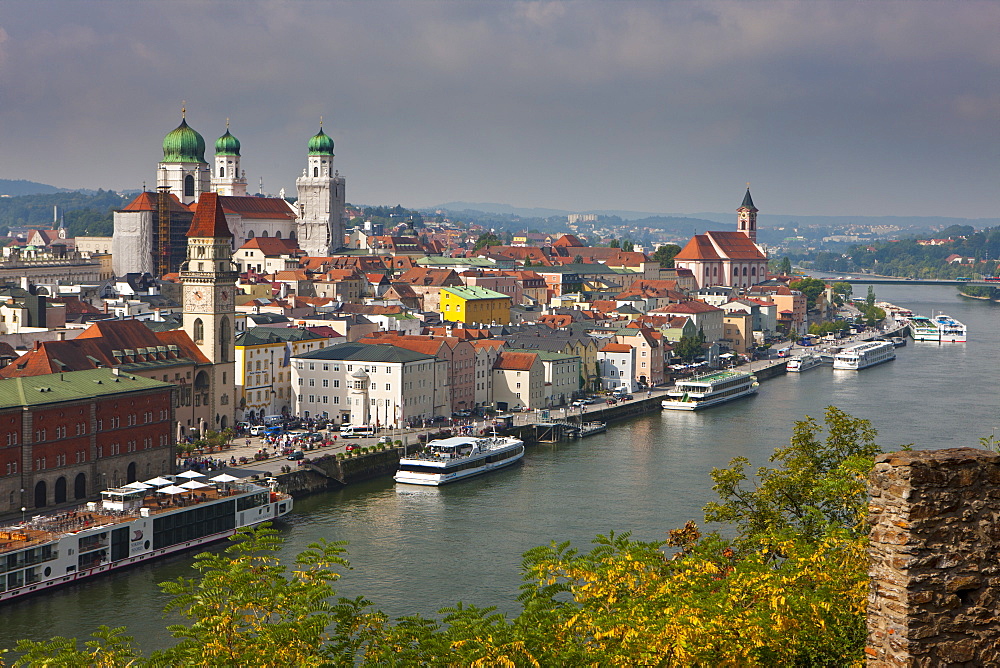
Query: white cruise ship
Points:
[449, 459]
[709, 390]
[804, 362]
[864, 355]
[923, 328]
[129, 525]
[949, 329]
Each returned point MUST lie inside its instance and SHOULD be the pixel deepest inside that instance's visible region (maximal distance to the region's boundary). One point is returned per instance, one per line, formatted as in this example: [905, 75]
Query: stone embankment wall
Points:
[328, 472]
[935, 559]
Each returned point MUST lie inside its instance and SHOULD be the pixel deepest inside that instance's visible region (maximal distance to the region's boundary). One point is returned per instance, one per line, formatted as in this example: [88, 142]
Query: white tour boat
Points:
[864, 355]
[923, 328]
[449, 459]
[804, 362]
[951, 330]
[709, 390]
[129, 525]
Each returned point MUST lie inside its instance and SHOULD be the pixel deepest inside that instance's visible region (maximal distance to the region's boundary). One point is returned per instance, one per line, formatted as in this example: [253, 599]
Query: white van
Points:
[359, 431]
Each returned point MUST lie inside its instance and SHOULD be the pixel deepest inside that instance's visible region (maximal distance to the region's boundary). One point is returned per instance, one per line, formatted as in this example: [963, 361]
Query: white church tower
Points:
[227, 178]
[320, 200]
[183, 168]
[208, 277]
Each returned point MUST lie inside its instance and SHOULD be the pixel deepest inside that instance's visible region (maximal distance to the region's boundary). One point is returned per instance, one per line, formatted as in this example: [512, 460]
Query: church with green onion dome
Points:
[315, 222]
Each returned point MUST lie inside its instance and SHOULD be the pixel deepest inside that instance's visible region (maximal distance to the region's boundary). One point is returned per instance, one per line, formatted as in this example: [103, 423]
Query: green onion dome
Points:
[183, 145]
[227, 144]
[321, 144]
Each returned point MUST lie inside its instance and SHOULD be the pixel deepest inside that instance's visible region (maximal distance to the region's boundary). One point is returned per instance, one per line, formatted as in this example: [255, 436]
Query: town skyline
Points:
[825, 108]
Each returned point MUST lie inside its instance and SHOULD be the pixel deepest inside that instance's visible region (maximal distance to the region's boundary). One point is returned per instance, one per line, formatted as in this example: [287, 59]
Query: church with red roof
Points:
[730, 258]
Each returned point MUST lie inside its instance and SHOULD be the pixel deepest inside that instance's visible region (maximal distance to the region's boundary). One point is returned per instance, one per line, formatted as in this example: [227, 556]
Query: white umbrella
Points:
[138, 485]
[193, 484]
[158, 482]
[224, 477]
[190, 474]
[171, 489]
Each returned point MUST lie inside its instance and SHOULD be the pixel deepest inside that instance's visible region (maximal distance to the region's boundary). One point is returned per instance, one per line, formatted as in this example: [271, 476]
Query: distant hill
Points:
[22, 187]
[697, 220]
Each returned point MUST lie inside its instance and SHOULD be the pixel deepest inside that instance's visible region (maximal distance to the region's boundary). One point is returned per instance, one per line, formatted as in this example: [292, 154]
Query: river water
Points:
[416, 550]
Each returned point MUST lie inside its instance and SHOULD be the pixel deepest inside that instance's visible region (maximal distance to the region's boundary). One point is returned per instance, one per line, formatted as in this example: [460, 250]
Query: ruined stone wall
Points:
[935, 559]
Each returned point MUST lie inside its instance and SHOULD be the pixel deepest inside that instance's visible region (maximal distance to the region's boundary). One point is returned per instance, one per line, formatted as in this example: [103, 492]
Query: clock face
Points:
[195, 299]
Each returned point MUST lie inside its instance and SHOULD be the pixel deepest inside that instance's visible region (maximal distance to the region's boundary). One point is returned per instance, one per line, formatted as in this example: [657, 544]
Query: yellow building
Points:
[475, 305]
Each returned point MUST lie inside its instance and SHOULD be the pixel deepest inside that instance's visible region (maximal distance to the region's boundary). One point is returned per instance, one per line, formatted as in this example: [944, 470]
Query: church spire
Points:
[746, 217]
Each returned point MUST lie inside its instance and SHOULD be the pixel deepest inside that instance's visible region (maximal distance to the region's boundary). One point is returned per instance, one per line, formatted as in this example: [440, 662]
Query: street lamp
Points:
[23, 509]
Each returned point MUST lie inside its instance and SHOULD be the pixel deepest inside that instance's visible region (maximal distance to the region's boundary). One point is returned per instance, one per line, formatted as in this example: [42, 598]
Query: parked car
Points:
[257, 430]
[351, 446]
[297, 455]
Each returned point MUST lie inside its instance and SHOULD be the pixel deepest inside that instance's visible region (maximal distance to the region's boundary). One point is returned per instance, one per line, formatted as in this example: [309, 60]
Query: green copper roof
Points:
[321, 144]
[183, 144]
[475, 292]
[70, 386]
[747, 202]
[227, 144]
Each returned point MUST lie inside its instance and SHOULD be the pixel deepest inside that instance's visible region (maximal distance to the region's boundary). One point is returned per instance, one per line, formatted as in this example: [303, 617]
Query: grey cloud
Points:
[666, 106]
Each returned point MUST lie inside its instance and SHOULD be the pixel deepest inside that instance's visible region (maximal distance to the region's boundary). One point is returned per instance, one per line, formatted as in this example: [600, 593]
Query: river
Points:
[416, 550]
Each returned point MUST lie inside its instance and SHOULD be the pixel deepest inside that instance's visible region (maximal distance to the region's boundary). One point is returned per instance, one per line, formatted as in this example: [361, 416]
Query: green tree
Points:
[785, 266]
[870, 298]
[843, 288]
[628, 246]
[690, 347]
[614, 244]
[819, 485]
[487, 239]
[665, 255]
[810, 287]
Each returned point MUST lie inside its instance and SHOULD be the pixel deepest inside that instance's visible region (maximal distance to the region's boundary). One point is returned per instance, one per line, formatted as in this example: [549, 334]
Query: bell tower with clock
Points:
[208, 277]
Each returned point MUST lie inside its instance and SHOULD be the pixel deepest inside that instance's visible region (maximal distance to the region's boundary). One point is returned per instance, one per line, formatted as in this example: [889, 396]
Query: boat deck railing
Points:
[40, 529]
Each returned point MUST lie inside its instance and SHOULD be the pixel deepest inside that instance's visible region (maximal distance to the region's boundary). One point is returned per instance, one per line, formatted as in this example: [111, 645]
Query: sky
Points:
[824, 107]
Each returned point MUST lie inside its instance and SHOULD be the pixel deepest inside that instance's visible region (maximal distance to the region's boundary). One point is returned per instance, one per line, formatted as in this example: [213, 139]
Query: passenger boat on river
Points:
[709, 390]
[450, 459]
[131, 524]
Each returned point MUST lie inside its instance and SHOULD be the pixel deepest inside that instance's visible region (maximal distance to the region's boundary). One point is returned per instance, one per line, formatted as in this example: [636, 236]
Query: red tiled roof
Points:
[509, 361]
[420, 276]
[146, 201]
[209, 219]
[271, 246]
[569, 240]
[616, 348]
[699, 248]
[688, 307]
[736, 245]
[264, 208]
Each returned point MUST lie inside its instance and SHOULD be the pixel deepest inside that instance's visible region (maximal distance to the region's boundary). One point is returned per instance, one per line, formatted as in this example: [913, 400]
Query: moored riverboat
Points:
[864, 355]
[923, 328]
[129, 525]
[710, 390]
[805, 362]
[448, 460]
[950, 329]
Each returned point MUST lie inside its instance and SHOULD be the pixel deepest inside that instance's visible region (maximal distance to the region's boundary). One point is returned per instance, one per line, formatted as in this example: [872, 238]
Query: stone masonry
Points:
[935, 559]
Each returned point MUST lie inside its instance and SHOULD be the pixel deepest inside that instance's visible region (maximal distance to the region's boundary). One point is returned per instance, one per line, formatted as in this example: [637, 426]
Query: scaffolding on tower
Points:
[163, 236]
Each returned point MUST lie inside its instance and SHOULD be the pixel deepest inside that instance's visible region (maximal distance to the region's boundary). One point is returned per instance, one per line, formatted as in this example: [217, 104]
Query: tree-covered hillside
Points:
[84, 215]
[908, 258]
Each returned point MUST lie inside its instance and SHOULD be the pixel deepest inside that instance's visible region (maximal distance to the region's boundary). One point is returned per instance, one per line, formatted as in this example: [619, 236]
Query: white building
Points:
[400, 386]
[617, 364]
[518, 381]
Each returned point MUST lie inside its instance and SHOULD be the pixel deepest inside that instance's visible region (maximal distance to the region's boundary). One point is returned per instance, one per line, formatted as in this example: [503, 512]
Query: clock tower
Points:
[208, 277]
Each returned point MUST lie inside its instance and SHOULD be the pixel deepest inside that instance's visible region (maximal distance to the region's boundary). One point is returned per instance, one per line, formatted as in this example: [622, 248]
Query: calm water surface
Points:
[416, 550]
